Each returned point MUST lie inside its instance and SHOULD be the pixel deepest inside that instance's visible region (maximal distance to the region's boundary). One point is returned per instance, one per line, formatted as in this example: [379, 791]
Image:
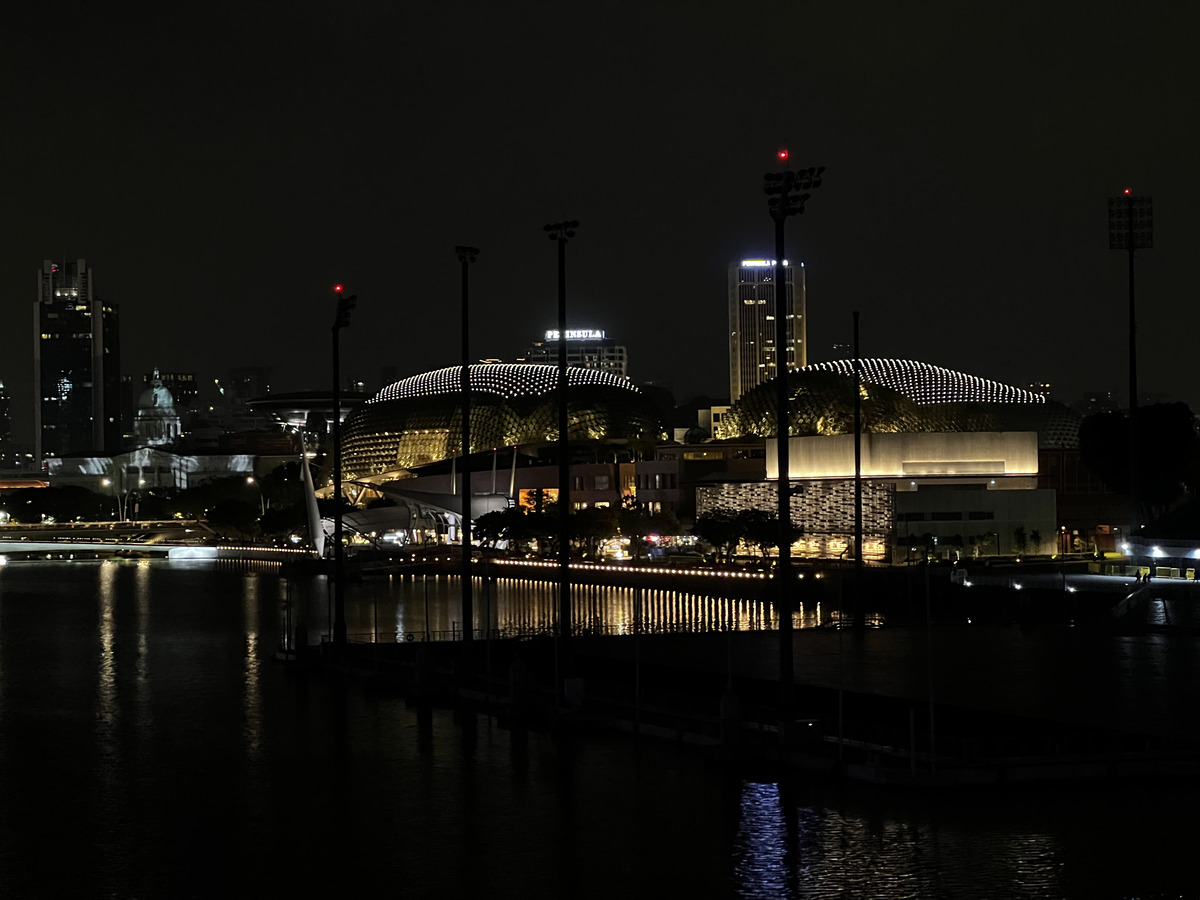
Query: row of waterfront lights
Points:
[651, 570]
[260, 548]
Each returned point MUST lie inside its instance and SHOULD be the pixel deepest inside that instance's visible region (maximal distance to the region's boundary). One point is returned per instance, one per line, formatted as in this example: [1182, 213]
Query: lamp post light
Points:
[561, 232]
[262, 505]
[345, 304]
[125, 500]
[788, 190]
[108, 482]
[1131, 228]
[466, 256]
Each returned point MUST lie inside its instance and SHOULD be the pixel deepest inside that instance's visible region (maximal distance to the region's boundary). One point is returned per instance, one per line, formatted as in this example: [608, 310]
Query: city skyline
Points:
[237, 163]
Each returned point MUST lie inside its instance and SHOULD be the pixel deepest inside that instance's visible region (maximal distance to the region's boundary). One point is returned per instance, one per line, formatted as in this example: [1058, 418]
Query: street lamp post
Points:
[788, 190]
[345, 304]
[1131, 228]
[466, 256]
[262, 504]
[561, 232]
[108, 482]
[125, 499]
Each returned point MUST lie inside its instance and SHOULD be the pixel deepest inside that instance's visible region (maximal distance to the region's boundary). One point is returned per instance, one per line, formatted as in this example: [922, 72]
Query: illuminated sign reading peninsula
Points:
[577, 334]
[759, 263]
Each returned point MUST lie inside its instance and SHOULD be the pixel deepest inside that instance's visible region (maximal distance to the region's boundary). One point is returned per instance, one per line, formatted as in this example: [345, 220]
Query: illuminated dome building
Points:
[417, 420]
[900, 396]
[963, 460]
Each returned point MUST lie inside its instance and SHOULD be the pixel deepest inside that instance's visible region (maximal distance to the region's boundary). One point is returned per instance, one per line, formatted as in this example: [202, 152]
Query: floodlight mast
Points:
[560, 232]
[788, 191]
[1131, 228]
[345, 305]
[466, 256]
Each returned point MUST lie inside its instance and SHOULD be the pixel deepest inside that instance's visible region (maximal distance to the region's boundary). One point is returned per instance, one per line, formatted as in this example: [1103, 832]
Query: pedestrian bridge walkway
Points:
[72, 549]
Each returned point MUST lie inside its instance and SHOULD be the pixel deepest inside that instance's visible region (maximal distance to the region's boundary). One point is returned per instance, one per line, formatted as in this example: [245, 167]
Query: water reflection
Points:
[3, 685]
[106, 688]
[762, 867]
[252, 694]
[786, 848]
[256, 779]
[411, 608]
[110, 766]
[143, 705]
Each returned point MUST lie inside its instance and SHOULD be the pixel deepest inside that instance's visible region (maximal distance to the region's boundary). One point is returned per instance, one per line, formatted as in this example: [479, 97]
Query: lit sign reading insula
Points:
[577, 334]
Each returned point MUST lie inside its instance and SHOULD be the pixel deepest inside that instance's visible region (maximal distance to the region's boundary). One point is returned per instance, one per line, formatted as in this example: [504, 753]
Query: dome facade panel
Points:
[898, 395]
[418, 420]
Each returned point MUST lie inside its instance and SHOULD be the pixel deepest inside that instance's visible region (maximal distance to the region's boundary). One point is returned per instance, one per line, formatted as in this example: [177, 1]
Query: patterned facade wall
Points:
[823, 509]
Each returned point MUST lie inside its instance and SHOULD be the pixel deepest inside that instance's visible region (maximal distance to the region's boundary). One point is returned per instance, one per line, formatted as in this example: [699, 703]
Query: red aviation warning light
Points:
[1127, 190]
[338, 288]
[782, 155]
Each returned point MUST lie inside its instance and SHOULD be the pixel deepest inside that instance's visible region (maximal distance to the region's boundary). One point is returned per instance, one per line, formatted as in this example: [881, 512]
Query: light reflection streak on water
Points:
[1036, 861]
[106, 688]
[144, 715]
[109, 766]
[2, 684]
[142, 585]
[520, 606]
[784, 849]
[252, 694]
[763, 865]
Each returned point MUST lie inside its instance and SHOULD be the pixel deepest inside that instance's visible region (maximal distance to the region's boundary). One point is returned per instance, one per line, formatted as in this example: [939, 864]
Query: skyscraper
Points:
[77, 365]
[752, 356]
[5, 428]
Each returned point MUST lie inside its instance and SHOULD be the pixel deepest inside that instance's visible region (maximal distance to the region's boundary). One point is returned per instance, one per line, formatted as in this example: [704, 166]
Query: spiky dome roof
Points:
[926, 384]
[418, 420]
[500, 379]
[899, 396]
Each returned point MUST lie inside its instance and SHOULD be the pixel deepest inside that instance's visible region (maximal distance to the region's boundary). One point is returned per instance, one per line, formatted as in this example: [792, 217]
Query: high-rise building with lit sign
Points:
[77, 364]
[752, 310]
[587, 348]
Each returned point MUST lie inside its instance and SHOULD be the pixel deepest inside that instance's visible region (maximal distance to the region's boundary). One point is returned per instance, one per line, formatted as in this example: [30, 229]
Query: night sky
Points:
[221, 165]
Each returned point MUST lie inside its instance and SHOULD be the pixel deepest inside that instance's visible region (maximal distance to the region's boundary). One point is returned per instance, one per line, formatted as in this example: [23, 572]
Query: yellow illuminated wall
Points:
[906, 455]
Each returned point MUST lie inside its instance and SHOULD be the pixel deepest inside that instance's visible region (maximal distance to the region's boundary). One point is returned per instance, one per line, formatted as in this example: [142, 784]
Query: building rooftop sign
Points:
[577, 334]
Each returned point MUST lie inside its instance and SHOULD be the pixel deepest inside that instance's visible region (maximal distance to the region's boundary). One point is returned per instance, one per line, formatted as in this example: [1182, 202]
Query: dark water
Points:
[150, 747]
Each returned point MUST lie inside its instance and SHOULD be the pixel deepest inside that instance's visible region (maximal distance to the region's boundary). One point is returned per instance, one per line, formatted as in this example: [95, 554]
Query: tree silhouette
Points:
[1168, 454]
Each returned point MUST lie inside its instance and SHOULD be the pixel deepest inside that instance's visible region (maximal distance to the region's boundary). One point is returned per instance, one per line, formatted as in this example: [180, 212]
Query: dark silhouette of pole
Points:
[787, 665]
[784, 189]
[466, 256]
[341, 320]
[859, 618]
[1131, 228]
[561, 232]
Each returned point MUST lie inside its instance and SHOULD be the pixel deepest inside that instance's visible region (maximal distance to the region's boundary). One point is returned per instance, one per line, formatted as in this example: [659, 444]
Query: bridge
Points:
[172, 539]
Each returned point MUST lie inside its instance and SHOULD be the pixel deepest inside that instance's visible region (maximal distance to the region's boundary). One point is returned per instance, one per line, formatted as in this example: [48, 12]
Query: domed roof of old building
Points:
[155, 401]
